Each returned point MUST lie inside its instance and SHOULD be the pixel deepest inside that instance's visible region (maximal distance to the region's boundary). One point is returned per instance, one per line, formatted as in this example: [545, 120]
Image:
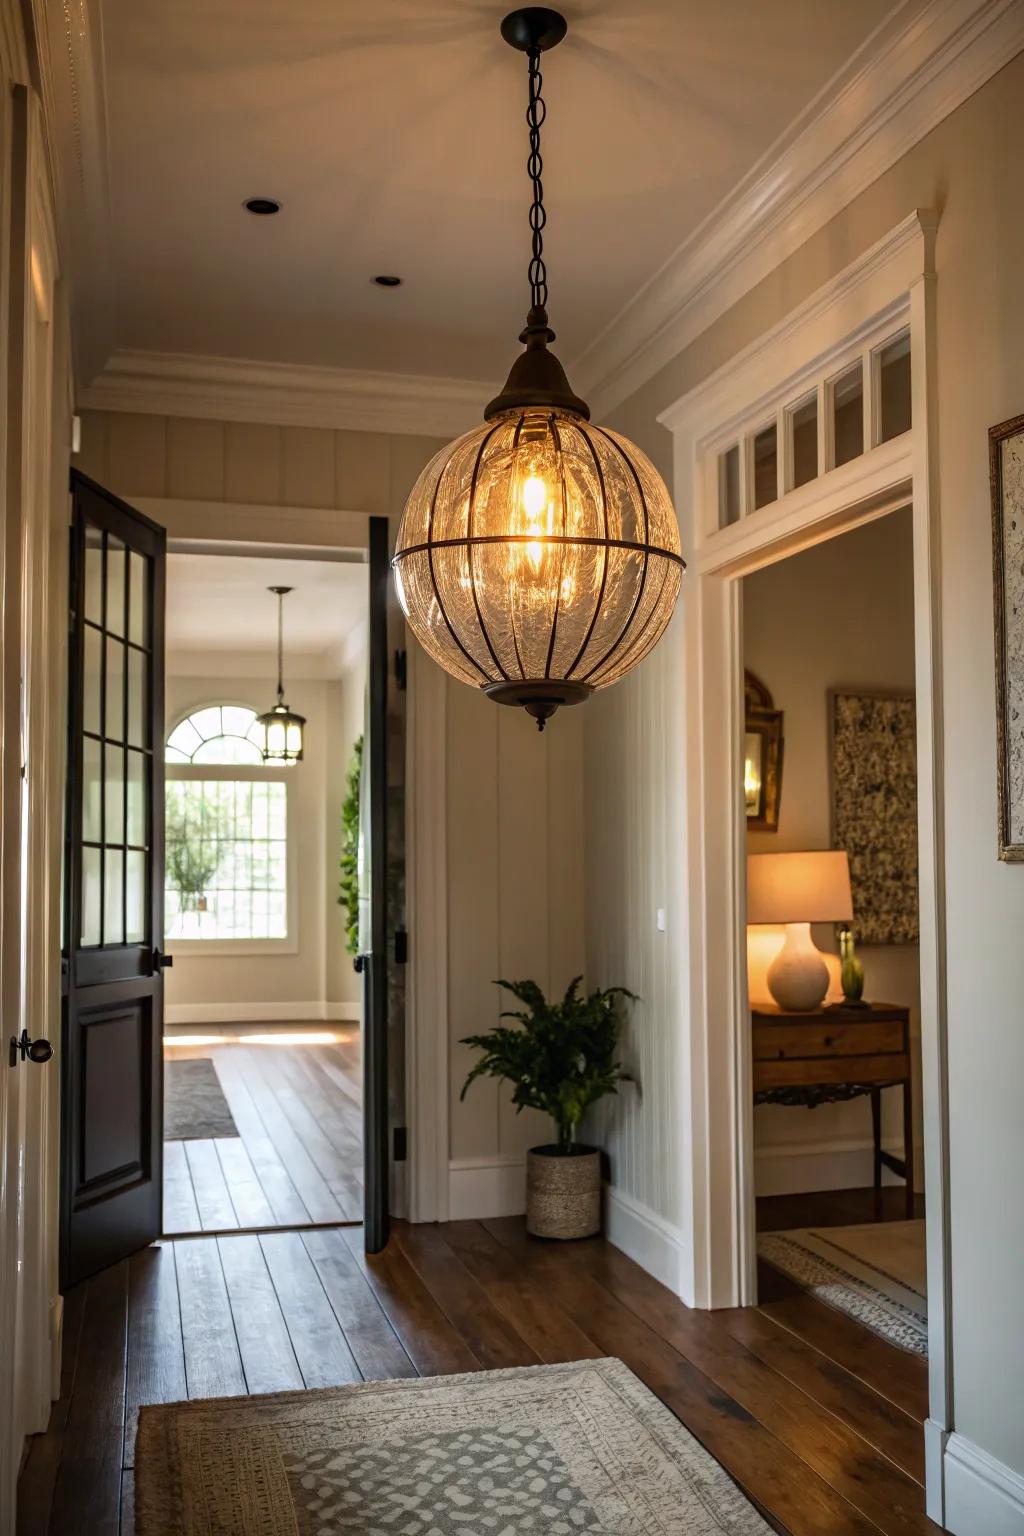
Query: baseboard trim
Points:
[793, 1168]
[480, 1187]
[981, 1494]
[648, 1239]
[260, 1013]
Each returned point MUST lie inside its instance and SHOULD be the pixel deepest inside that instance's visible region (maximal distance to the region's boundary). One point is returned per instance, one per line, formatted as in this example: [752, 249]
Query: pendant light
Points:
[538, 555]
[281, 729]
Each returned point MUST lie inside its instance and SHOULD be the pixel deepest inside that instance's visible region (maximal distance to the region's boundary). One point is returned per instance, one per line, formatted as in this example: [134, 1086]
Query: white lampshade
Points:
[799, 888]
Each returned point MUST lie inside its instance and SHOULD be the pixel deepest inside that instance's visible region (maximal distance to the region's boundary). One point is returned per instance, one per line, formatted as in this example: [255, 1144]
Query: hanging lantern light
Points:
[280, 729]
[538, 555]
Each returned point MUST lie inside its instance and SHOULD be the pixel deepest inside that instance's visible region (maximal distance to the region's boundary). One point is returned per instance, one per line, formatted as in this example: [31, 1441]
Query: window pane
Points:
[136, 798]
[138, 599]
[207, 722]
[94, 575]
[113, 897]
[115, 585]
[226, 859]
[766, 467]
[115, 690]
[113, 795]
[92, 789]
[138, 718]
[91, 717]
[237, 720]
[91, 887]
[184, 739]
[227, 749]
[729, 486]
[848, 414]
[894, 388]
[135, 894]
[805, 441]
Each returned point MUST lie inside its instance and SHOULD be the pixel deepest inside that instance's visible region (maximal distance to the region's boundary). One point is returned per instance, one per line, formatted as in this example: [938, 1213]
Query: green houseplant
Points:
[348, 896]
[560, 1057]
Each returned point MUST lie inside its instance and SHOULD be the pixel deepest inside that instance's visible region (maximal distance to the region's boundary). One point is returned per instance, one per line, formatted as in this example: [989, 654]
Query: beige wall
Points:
[838, 615]
[969, 169]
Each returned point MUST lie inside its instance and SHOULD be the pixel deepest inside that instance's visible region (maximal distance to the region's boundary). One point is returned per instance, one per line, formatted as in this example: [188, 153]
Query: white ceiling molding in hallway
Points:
[283, 394]
[913, 71]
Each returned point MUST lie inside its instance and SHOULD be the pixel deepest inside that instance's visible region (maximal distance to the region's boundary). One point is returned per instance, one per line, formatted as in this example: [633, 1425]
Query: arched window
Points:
[221, 733]
[227, 860]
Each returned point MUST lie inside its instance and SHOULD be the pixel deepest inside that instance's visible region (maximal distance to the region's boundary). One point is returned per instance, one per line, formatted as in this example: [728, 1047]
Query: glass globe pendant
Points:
[280, 729]
[538, 555]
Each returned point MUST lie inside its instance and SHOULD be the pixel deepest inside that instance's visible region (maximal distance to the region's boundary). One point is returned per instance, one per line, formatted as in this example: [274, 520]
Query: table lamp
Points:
[798, 889]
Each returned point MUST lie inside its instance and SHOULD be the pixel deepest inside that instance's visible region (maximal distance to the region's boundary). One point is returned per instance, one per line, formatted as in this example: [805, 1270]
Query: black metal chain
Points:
[535, 115]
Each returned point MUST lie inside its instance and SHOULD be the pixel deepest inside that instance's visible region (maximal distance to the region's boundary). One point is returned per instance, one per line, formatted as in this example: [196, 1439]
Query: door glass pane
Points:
[894, 388]
[136, 798]
[94, 575]
[92, 720]
[113, 897]
[805, 441]
[135, 897]
[138, 717]
[138, 599]
[92, 789]
[848, 414]
[766, 467]
[113, 794]
[115, 585]
[115, 689]
[91, 888]
[729, 486]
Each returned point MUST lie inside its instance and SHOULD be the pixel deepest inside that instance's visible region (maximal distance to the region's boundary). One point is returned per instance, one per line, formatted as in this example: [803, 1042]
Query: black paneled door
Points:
[374, 916]
[112, 1098]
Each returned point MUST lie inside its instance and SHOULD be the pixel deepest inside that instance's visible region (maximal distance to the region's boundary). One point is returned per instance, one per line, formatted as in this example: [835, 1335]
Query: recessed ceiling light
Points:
[387, 280]
[262, 205]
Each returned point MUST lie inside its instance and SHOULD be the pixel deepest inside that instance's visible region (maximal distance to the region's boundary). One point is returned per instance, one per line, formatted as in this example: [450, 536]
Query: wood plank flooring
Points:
[819, 1421]
[298, 1157]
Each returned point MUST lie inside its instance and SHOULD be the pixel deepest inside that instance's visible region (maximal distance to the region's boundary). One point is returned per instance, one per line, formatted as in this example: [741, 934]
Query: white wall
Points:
[838, 615]
[314, 982]
[969, 168]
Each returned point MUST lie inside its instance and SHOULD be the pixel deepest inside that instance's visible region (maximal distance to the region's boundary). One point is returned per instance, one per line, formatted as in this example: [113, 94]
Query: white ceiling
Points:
[220, 603]
[393, 134]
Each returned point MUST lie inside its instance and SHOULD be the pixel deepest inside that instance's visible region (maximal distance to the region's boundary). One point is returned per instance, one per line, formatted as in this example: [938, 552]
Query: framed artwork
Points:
[1006, 469]
[873, 766]
[762, 757]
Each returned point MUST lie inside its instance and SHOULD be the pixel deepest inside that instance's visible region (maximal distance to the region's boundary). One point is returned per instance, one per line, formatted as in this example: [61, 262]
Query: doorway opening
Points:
[262, 1041]
[830, 795]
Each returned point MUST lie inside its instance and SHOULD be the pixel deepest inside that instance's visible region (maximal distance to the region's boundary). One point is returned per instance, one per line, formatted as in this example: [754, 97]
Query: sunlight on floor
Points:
[265, 1037]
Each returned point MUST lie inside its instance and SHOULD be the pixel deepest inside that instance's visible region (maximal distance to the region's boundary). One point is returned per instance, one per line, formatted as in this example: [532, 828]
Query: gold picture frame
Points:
[762, 757]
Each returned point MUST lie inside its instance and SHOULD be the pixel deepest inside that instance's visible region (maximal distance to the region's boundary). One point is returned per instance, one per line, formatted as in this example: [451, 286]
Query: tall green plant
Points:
[193, 829]
[562, 1056]
[349, 885]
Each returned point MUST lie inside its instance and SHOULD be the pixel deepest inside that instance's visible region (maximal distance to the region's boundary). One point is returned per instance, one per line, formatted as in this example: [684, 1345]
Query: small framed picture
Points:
[1006, 469]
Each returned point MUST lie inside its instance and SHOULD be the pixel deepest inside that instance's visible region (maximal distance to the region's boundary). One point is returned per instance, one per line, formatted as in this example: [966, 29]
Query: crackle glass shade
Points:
[539, 547]
[282, 735]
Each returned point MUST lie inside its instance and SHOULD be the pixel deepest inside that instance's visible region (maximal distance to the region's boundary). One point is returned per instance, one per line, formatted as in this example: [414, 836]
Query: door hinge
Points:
[401, 667]
[401, 946]
[400, 1143]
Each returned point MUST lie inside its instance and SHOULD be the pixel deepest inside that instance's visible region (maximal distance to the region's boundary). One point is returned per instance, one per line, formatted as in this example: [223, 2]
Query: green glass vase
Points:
[851, 973]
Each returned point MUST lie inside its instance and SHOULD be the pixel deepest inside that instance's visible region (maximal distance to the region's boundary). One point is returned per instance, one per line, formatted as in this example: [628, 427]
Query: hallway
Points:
[818, 1420]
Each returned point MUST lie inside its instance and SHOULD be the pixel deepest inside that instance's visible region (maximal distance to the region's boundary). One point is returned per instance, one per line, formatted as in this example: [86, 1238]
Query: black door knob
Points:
[25, 1049]
[162, 962]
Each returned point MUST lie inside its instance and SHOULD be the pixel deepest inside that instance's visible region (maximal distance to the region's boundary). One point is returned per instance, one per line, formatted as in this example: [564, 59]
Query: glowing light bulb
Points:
[535, 505]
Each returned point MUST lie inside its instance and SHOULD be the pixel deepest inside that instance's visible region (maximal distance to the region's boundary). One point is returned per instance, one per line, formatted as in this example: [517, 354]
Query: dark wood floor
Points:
[817, 1419]
[298, 1157]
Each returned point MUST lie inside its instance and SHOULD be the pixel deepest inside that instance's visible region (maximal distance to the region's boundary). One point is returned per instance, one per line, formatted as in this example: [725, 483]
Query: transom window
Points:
[226, 833]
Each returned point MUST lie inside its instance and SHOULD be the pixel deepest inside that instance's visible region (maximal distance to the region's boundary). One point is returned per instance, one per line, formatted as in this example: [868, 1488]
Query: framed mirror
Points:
[762, 757]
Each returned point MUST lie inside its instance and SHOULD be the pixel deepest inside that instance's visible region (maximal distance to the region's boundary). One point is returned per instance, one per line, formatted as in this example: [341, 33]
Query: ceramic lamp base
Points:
[798, 976]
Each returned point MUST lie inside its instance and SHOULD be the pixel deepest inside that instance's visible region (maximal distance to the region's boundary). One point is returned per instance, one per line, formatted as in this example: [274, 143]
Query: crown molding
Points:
[285, 394]
[915, 69]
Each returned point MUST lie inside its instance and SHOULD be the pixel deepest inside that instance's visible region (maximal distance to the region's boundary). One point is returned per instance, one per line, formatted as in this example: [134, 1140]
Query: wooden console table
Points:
[839, 1053]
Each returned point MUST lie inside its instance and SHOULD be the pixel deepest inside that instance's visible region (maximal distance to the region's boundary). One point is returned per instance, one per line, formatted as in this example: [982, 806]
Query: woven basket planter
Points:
[563, 1194]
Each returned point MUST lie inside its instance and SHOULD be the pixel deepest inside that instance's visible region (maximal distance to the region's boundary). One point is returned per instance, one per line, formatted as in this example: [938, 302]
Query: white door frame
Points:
[892, 283]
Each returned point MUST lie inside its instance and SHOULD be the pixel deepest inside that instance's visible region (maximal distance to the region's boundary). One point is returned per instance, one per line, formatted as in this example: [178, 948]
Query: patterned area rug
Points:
[194, 1104]
[875, 1273]
[550, 1451]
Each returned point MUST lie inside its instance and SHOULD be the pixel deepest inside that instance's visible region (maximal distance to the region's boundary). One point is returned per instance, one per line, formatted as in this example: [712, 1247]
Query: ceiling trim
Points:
[285, 394]
[913, 71]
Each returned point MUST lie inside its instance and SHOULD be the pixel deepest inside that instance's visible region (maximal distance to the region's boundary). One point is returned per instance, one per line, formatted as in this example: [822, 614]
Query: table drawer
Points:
[817, 1072]
[797, 1042]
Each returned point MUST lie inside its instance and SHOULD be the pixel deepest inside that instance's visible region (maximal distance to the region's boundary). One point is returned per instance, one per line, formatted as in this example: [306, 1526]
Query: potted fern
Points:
[560, 1058]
